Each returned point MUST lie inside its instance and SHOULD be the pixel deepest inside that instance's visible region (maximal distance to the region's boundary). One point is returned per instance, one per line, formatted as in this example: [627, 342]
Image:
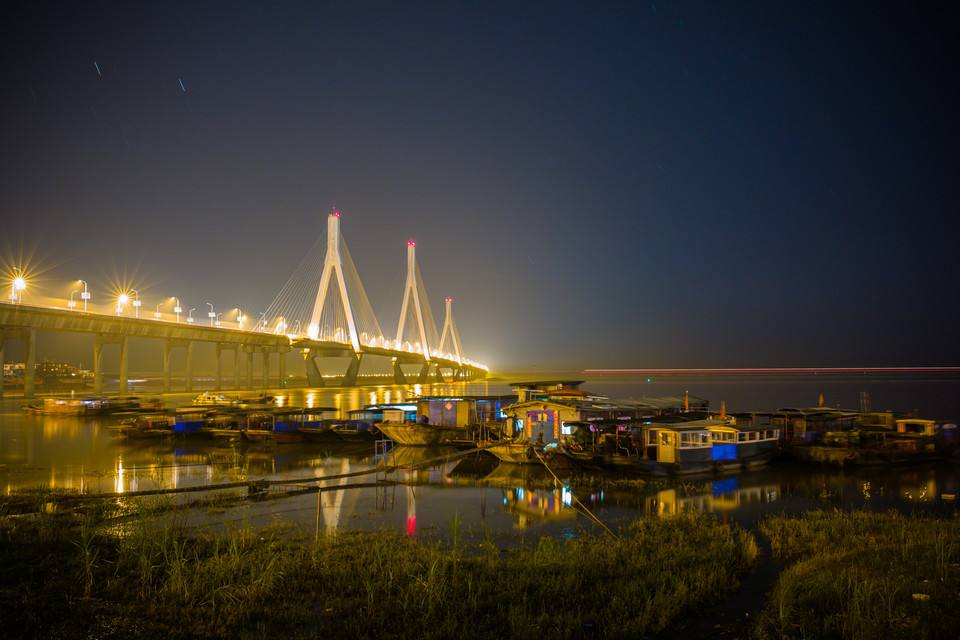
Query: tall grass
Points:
[151, 580]
[864, 575]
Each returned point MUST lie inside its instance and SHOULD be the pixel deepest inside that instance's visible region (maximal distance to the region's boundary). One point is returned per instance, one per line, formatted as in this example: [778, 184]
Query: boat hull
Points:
[515, 453]
[420, 435]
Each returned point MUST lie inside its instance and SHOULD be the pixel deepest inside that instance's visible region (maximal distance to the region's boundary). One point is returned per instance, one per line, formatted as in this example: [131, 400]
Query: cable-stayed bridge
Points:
[321, 312]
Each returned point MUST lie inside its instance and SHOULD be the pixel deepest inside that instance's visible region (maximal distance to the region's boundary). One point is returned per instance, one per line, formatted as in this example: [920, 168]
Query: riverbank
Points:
[863, 575]
[82, 577]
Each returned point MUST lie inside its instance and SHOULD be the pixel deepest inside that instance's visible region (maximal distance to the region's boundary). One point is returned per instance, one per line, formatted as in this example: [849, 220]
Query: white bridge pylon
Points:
[415, 300]
[450, 329]
[352, 320]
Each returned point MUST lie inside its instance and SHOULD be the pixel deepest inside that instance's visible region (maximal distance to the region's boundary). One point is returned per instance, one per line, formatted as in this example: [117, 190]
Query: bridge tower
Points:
[450, 329]
[333, 267]
[412, 295]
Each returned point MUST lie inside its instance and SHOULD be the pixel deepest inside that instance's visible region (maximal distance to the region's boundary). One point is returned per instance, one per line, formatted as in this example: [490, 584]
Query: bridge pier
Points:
[124, 365]
[98, 364]
[218, 383]
[3, 340]
[314, 377]
[424, 377]
[399, 377]
[265, 359]
[236, 367]
[249, 367]
[282, 367]
[189, 372]
[439, 375]
[166, 366]
[30, 364]
[350, 377]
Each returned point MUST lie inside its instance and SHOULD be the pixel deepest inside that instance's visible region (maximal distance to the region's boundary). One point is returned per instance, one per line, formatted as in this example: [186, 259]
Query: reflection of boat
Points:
[539, 504]
[407, 456]
[314, 423]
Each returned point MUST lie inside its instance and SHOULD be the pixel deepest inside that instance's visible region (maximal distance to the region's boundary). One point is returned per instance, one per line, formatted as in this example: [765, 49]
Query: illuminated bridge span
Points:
[322, 312]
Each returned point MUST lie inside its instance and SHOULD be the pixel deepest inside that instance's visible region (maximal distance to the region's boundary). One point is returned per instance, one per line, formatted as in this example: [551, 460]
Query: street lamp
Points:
[72, 304]
[84, 295]
[263, 321]
[122, 301]
[211, 314]
[17, 287]
[177, 309]
[239, 319]
[190, 314]
[217, 322]
[136, 302]
[156, 314]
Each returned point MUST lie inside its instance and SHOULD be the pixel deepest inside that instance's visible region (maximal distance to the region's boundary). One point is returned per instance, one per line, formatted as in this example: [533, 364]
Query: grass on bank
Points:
[864, 575]
[64, 578]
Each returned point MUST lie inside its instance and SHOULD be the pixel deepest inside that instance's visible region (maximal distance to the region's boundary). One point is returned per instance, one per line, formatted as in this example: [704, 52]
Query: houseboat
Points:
[315, 423]
[72, 406]
[742, 446]
[224, 422]
[444, 420]
[281, 426]
[190, 421]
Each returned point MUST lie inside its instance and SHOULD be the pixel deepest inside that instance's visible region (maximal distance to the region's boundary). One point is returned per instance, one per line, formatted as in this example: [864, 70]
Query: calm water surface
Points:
[503, 502]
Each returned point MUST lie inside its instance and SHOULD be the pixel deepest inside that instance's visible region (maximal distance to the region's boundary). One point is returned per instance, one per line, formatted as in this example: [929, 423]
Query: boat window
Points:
[652, 437]
[741, 437]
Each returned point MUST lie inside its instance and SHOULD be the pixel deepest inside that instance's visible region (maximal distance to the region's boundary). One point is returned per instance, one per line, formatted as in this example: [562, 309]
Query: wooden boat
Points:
[148, 426]
[420, 434]
[224, 423]
[71, 406]
[354, 431]
[516, 452]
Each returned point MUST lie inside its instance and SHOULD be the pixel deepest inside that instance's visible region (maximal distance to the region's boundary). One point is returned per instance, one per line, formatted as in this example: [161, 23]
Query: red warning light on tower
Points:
[335, 212]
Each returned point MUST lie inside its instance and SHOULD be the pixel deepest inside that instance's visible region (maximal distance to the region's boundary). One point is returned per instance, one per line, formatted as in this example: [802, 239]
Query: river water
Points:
[471, 494]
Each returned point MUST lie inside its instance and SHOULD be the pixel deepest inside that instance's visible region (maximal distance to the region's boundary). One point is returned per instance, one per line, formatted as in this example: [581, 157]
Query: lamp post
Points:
[211, 314]
[122, 301]
[156, 314]
[71, 303]
[190, 314]
[217, 321]
[84, 295]
[239, 318]
[136, 303]
[177, 309]
[263, 320]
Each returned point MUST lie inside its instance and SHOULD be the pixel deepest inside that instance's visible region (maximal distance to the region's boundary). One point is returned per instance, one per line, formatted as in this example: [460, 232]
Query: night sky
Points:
[597, 185]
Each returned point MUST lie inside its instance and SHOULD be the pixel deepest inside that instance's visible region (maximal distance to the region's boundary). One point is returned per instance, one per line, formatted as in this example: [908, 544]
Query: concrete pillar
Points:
[98, 364]
[236, 366]
[350, 377]
[124, 364]
[265, 358]
[2, 341]
[30, 364]
[314, 377]
[189, 366]
[249, 369]
[282, 364]
[424, 377]
[219, 382]
[440, 375]
[166, 365]
[398, 376]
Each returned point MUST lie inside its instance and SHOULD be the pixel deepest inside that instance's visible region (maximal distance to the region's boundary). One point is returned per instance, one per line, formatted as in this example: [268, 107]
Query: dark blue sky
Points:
[597, 184]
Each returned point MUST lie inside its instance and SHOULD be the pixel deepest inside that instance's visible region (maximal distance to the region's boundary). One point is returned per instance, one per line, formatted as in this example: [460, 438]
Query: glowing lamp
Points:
[19, 284]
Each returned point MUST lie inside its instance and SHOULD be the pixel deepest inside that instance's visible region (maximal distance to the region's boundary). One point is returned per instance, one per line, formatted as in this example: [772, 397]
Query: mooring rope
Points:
[576, 499]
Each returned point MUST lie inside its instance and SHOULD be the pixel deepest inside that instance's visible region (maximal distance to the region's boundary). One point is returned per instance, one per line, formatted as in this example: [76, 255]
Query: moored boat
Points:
[281, 426]
[149, 426]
